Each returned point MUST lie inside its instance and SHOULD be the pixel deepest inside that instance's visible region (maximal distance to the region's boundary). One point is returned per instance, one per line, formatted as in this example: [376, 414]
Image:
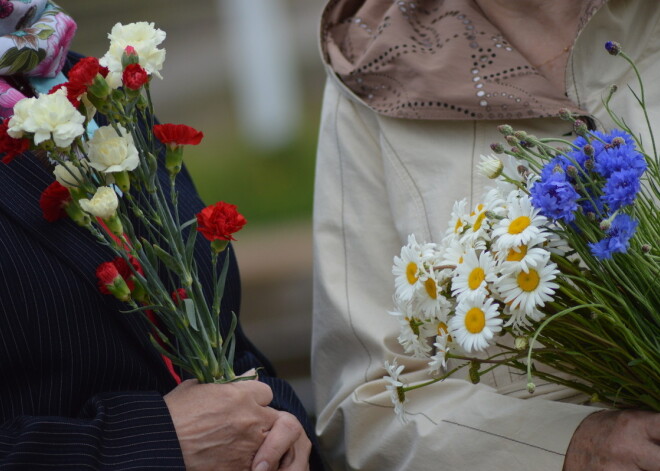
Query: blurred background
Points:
[247, 73]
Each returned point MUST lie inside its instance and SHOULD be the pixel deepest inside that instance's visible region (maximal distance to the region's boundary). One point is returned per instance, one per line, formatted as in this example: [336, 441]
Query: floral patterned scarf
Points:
[34, 41]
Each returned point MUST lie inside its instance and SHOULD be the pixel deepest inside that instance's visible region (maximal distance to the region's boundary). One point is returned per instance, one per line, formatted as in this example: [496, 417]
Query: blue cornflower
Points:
[619, 153]
[617, 238]
[555, 197]
[621, 189]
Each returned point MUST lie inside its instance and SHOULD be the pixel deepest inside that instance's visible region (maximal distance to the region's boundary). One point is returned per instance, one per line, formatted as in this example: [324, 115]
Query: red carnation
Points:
[53, 201]
[219, 221]
[125, 270]
[9, 146]
[85, 70]
[111, 282]
[134, 76]
[179, 295]
[177, 134]
[73, 92]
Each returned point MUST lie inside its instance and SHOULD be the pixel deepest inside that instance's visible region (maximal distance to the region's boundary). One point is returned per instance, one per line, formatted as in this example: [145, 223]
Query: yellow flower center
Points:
[443, 329]
[431, 288]
[411, 273]
[477, 276]
[478, 222]
[517, 256]
[475, 320]
[519, 224]
[458, 225]
[528, 281]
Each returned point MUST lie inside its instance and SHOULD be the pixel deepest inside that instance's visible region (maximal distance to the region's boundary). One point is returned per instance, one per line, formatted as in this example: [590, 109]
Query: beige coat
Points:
[380, 179]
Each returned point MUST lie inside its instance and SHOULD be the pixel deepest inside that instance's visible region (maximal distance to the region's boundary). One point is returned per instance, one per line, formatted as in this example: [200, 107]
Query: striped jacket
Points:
[80, 385]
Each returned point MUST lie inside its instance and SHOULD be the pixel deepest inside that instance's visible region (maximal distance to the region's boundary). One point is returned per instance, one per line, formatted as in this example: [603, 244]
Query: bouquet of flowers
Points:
[106, 181]
[562, 254]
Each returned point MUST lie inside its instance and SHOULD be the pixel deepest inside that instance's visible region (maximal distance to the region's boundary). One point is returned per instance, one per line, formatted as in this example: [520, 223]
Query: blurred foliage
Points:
[267, 186]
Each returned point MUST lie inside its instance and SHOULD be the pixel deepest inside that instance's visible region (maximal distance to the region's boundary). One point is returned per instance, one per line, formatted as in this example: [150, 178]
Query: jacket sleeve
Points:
[114, 431]
[379, 179]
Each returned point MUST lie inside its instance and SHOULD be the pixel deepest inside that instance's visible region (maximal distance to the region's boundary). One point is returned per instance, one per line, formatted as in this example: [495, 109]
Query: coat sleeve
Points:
[370, 193]
[114, 431]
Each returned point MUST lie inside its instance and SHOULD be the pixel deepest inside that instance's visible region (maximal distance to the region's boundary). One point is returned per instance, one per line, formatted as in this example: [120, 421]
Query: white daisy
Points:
[475, 322]
[395, 387]
[474, 273]
[520, 320]
[459, 218]
[522, 256]
[413, 331]
[442, 347]
[430, 300]
[522, 224]
[407, 269]
[531, 289]
[490, 166]
[478, 226]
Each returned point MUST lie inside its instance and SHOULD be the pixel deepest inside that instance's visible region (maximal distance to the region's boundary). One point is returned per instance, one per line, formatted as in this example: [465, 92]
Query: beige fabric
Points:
[435, 59]
[381, 178]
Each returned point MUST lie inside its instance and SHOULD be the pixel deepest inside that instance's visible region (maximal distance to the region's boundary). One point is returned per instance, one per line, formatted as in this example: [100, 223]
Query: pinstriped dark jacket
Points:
[80, 385]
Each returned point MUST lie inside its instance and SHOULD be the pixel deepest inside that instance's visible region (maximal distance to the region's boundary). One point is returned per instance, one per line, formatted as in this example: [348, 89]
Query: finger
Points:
[261, 392]
[653, 427]
[281, 438]
[297, 458]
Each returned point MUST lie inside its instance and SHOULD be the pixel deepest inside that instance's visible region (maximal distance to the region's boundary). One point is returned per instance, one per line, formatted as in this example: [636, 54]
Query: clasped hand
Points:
[230, 427]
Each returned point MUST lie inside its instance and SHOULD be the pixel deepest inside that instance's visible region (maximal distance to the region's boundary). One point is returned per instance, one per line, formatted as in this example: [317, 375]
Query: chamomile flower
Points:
[490, 166]
[474, 273]
[522, 224]
[478, 226]
[408, 268]
[520, 257]
[531, 289]
[413, 330]
[429, 300]
[475, 322]
[459, 218]
[521, 320]
[439, 358]
[395, 387]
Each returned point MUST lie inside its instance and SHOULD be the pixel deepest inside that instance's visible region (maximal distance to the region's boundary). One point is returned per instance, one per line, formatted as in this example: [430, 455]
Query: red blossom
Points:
[177, 134]
[107, 274]
[130, 51]
[85, 70]
[53, 201]
[73, 92]
[219, 221]
[179, 295]
[125, 270]
[134, 76]
[9, 146]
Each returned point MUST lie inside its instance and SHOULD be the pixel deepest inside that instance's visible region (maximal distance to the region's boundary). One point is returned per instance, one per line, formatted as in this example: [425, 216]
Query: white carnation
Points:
[144, 38]
[69, 175]
[48, 117]
[103, 204]
[109, 151]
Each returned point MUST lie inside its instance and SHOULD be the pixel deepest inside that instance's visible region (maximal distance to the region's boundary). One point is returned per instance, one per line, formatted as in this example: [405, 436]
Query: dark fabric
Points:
[80, 385]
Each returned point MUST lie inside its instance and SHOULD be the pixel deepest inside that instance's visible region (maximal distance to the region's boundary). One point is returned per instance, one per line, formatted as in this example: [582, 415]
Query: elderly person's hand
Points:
[227, 426]
[616, 441]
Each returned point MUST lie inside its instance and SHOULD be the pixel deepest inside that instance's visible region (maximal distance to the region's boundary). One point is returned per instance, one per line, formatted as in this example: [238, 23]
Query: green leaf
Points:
[190, 243]
[636, 362]
[220, 286]
[191, 313]
[167, 259]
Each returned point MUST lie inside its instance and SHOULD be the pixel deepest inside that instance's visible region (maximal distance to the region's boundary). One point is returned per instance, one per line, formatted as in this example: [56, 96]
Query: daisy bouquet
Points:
[107, 181]
[553, 273]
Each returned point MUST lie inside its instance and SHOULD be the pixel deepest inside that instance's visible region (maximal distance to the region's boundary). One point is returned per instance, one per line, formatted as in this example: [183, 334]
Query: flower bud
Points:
[505, 129]
[589, 150]
[497, 147]
[565, 114]
[521, 343]
[130, 56]
[589, 164]
[512, 140]
[571, 171]
[646, 248]
[111, 282]
[618, 141]
[474, 372]
[531, 387]
[605, 225]
[491, 167]
[613, 47]
[522, 135]
[580, 127]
